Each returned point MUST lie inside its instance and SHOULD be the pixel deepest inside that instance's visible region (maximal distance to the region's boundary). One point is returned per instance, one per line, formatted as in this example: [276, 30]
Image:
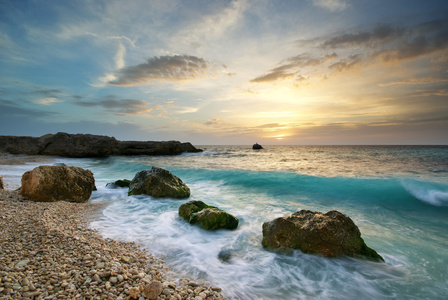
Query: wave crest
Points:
[427, 192]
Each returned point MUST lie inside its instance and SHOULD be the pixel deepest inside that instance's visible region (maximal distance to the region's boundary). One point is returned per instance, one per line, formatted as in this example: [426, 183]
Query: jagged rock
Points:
[158, 183]
[207, 217]
[119, 183]
[331, 234]
[57, 183]
[257, 146]
[88, 145]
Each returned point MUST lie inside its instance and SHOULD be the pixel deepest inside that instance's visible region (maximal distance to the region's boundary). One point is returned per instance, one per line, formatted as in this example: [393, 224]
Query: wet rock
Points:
[57, 183]
[158, 183]
[207, 217]
[331, 234]
[119, 183]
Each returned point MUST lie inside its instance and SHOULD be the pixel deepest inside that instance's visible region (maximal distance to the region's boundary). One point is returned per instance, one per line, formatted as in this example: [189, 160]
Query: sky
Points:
[293, 72]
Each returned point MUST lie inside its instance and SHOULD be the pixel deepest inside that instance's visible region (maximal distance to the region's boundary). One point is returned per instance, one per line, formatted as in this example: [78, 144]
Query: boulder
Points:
[158, 183]
[88, 145]
[331, 234]
[57, 183]
[119, 183]
[207, 217]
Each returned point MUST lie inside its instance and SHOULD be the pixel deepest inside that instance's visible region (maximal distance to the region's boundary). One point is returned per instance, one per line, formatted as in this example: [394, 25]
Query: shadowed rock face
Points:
[207, 217]
[332, 234]
[57, 183]
[158, 183]
[87, 145]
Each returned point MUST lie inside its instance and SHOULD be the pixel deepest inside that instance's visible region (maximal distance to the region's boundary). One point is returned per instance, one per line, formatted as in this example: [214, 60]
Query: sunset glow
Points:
[227, 72]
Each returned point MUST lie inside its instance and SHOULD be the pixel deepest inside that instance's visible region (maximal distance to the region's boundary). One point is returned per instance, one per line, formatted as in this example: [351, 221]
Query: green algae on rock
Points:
[331, 234]
[207, 217]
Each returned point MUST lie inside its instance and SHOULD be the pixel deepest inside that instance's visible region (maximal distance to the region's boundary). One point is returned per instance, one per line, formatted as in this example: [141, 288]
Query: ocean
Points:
[396, 195]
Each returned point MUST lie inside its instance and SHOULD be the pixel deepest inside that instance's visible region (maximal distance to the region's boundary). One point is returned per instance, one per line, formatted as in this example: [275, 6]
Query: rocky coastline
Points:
[88, 145]
[49, 252]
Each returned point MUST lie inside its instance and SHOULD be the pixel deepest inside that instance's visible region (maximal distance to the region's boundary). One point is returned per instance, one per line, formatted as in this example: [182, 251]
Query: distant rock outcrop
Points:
[88, 145]
[158, 183]
[331, 234]
[207, 217]
[57, 183]
[257, 146]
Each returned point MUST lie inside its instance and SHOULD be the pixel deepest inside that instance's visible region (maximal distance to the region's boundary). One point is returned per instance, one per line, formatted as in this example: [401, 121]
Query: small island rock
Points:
[207, 217]
[57, 183]
[331, 234]
[119, 183]
[158, 183]
[257, 146]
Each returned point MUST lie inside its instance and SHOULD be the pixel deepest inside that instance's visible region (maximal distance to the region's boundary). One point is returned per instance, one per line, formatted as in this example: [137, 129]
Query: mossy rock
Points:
[119, 183]
[207, 217]
[331, 234]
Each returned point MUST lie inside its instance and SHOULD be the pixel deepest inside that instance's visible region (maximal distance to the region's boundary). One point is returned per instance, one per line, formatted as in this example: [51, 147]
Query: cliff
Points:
[88, 145]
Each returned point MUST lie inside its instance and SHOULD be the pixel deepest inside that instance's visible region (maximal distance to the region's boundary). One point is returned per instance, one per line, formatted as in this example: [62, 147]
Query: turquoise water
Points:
[398, 197]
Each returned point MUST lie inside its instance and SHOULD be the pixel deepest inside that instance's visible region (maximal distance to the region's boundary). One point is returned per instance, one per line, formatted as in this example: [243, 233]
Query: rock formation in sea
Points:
[207, 217]
[88, 145]
[57, 183]
[257, 146]
[119, 183]
[158, 183]
[331, 234]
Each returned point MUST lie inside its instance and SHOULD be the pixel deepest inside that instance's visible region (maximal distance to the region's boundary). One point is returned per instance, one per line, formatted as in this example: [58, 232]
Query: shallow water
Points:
[398, 197]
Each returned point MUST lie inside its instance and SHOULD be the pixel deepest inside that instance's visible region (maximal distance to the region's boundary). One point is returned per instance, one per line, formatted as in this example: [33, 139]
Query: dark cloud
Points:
[10, 109]
[386, 42]
[171, 68]
[346, 64]
[120, 106]
[380, 34]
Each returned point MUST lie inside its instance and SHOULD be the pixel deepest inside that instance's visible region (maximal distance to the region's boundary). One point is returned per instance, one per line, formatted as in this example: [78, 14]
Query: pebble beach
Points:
[47, 251]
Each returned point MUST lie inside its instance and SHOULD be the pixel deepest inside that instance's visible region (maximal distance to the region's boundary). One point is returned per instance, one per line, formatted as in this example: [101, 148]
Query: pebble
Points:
[49, 252]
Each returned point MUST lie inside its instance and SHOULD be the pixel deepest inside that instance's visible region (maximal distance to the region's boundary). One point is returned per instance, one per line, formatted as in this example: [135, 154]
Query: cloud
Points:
[332, 5]
[291, 66]
[10, 109]
[120, 106]
[170, 68]
[213, 122]
[48, 100]
[347, 63]
[345, 51]
[415, 81]
[380, 34]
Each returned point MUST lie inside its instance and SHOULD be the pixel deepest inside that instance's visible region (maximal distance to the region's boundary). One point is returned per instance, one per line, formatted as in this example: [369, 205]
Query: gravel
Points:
[47, 251]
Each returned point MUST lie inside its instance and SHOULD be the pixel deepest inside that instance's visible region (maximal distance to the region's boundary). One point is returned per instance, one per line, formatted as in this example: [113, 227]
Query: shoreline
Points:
[49, 252]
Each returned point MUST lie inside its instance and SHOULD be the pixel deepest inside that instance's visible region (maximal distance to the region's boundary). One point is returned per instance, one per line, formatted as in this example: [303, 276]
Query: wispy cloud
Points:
[169, 68]
[48, 100]
[333, 5]
[120, 106]
[344, 51]
[415, 81]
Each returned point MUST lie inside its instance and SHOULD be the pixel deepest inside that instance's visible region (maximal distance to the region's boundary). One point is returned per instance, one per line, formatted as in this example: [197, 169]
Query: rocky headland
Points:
[88, 145]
